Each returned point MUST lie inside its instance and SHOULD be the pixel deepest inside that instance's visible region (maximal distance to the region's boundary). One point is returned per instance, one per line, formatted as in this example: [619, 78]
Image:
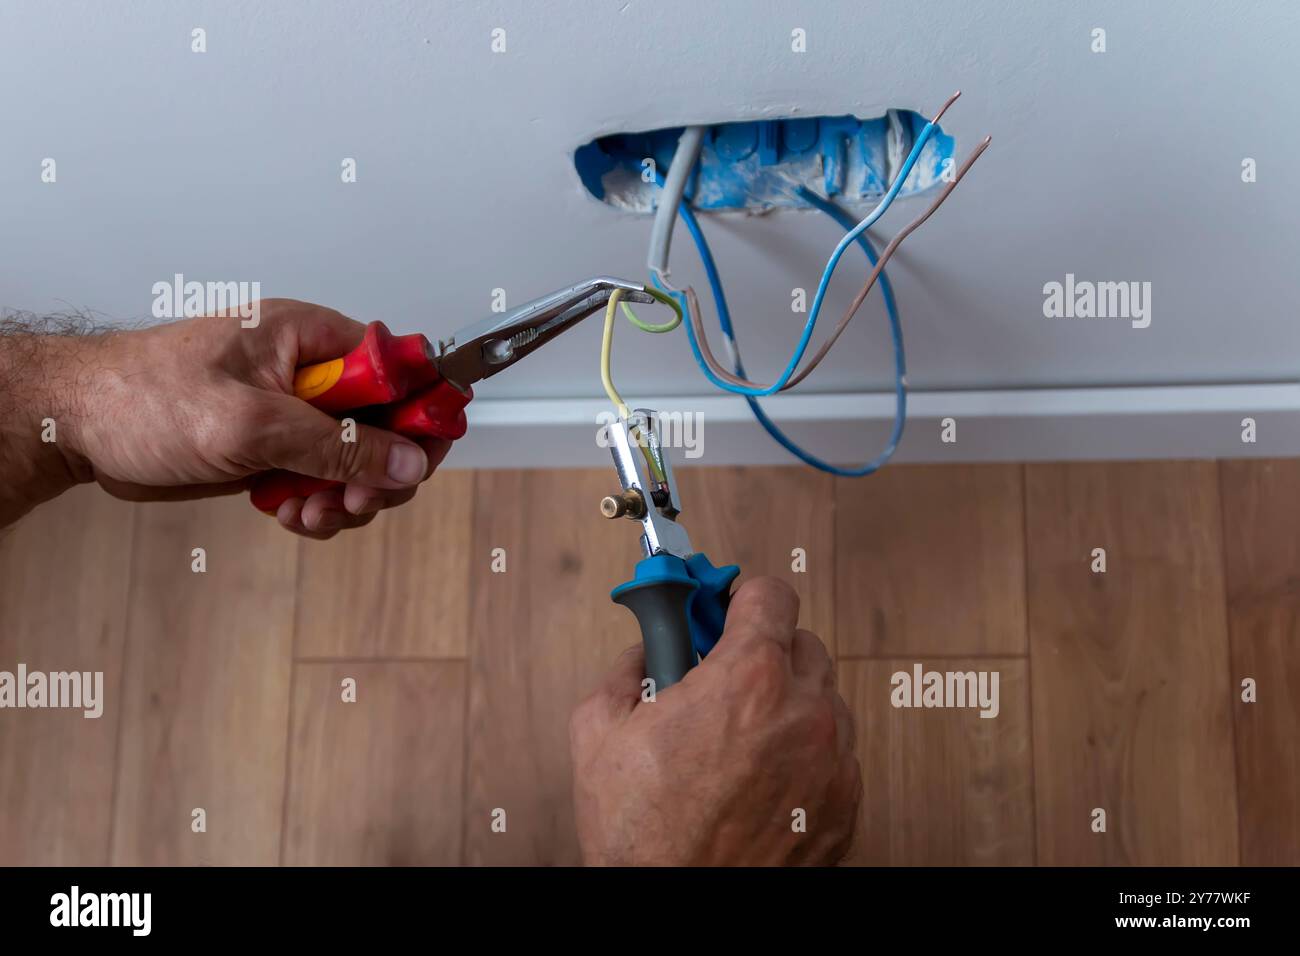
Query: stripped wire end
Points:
[943, 109]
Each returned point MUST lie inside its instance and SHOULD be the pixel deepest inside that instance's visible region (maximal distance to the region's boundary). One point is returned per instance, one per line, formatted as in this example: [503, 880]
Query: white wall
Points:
[1116, 166]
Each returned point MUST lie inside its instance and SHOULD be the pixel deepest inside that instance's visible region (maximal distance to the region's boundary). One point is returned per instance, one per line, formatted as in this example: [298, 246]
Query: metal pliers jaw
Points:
[679, 598]
[484, 348]
[649, 491]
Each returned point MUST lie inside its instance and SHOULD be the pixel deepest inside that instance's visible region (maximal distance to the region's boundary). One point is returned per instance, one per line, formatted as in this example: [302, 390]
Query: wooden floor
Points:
[1119, 690]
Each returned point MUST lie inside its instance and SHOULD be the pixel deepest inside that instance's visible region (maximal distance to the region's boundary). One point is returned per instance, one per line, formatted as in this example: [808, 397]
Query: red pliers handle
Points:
[390, 381]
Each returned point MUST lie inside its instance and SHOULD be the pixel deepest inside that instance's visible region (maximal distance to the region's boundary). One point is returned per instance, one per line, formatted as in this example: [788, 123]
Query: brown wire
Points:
[889, 250]
[697, 321]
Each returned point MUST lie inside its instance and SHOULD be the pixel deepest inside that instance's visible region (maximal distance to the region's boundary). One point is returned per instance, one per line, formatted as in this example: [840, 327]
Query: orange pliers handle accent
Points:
[393, 382]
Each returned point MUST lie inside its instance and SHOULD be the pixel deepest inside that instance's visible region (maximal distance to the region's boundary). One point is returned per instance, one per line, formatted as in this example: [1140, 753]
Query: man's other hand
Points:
[723, 767]
[195, 408]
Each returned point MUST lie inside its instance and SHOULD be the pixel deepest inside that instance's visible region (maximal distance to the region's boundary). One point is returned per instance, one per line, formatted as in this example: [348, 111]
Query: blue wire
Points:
[724, 320]
[852, 235]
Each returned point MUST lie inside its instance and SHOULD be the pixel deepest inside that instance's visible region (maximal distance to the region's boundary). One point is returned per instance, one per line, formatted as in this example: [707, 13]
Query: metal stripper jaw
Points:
[654, 502]
[484, 348]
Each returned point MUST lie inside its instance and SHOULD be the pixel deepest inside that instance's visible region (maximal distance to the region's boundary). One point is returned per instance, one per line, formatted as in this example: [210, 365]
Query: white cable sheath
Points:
[661, 234]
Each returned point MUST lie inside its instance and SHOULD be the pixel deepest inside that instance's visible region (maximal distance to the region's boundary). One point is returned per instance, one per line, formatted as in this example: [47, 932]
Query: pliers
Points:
[405, 384]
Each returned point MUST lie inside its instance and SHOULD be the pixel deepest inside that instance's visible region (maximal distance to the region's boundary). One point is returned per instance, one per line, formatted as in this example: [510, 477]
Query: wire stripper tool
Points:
[679, 598]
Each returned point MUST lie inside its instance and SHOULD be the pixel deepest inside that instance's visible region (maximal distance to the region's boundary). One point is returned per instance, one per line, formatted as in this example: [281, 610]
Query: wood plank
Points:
[1130, 695]
[1261, 521]
[64, 574]
[756, 517]
[930, 562]
[377, 781]
[399, 588]
[942, 786]
[543, 632]
[206, 688]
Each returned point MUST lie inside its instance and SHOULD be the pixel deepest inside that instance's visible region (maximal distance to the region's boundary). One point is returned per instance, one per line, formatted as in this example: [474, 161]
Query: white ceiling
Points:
[225, 166]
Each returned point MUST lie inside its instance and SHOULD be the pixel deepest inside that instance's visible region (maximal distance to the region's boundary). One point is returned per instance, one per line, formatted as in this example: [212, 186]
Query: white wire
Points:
[661, 234]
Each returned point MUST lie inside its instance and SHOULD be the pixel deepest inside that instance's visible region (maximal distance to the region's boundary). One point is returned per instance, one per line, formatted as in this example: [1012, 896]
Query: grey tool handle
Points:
[660, 609]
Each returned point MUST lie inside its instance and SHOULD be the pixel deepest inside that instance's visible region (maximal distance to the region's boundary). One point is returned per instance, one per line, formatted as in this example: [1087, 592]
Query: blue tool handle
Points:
[682, 609]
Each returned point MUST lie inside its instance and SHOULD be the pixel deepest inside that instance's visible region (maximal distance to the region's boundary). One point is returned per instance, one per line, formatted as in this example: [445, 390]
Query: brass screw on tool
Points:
[628, 503]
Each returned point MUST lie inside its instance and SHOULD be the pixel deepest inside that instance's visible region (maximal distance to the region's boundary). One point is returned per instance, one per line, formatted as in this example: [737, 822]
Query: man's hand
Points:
[193, 409]
[716, 769]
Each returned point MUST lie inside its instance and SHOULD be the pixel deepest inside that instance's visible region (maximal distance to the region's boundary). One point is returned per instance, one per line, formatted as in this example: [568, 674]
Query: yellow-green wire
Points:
[607, 352]
[607, 342]
[667, 300]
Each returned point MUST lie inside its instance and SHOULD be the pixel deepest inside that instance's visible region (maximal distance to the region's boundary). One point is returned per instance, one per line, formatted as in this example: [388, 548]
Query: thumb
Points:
[309, 442]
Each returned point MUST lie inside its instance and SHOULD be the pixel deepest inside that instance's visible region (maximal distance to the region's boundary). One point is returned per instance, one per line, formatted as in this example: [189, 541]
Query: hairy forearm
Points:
[45, 364]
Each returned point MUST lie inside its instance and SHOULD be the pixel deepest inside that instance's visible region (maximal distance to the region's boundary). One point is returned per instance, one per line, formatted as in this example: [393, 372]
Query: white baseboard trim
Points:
[1015, 425]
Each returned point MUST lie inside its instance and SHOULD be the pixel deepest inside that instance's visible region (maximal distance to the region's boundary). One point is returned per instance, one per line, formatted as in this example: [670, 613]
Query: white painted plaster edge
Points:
[1013, 425]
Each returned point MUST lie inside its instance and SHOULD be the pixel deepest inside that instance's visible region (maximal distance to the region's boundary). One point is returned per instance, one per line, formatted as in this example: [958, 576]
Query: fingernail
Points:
[329, 520]
[369, 505]
[406, 463]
